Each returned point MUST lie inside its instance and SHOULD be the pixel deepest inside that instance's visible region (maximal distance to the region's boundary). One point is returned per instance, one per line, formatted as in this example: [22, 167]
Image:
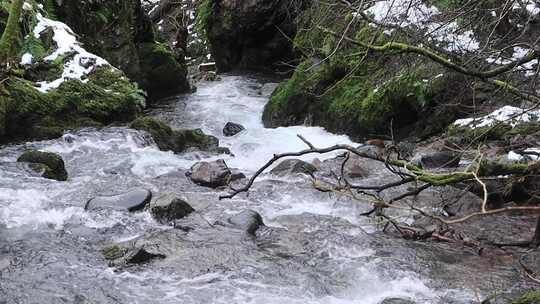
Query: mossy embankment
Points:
[122, 33]
[38, 100]
[349, 89]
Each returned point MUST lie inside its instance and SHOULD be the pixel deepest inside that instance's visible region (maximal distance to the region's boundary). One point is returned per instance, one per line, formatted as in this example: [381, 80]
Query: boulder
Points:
[210, 174]
[133, 200]
[232, 129]
[442, 159]
[128, 43]
[168, 208]
[250, 34]
[119, 256]
[177, 141]
[48, 164]
[247, 220]
[293, 166]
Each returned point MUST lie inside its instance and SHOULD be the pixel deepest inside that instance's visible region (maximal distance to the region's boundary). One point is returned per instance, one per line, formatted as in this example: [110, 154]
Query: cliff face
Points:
[252, 34]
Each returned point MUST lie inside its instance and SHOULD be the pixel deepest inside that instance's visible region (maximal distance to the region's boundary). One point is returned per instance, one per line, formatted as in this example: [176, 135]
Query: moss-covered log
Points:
[7, 42]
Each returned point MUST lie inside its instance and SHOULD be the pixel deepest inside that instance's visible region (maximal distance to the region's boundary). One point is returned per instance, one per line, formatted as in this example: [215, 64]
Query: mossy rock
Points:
[177, 141]
[51, 164]
[105, 96]
[357, 102]
[165, 74]
[113, 252]
[532, 297]
[160, 132]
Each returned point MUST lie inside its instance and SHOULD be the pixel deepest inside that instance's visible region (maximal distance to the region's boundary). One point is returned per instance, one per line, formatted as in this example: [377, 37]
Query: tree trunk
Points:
[7, 42]
[536, 238]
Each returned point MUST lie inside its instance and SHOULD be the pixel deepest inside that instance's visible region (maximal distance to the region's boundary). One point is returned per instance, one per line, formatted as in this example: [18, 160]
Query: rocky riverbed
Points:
[282, 242]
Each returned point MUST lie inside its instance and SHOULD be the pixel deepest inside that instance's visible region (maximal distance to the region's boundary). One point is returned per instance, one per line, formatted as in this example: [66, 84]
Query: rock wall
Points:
[254, 34]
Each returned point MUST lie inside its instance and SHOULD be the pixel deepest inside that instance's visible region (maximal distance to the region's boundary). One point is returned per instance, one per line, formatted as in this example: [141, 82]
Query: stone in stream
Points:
[177, 141]
[442, 159]
[168, 208]
[133, 200]
[232, 129]
[210, 174]
[293, 166]
[247, 220]
[49, 165]
[118, 256]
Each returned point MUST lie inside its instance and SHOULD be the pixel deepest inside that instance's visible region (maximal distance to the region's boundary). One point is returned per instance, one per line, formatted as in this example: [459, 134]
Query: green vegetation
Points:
[11, 31]
[204, 12]
[532, 297]
[107, 96]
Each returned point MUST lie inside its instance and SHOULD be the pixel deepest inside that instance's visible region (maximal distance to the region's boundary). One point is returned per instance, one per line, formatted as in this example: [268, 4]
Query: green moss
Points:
[160, 131]
[177, 141]
[105, 97]
[532, 297]
[54, 167]
[159, 64]
[113, 252]
[204, 13]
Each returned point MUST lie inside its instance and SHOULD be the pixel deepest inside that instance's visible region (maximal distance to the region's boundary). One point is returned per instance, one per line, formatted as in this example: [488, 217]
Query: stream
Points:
[315, 248]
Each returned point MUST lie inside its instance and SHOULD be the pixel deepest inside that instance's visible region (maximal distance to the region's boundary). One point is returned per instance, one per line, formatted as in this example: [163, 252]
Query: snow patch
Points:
[26, 59]
[77, 67]
[509, 114]
[405, 13]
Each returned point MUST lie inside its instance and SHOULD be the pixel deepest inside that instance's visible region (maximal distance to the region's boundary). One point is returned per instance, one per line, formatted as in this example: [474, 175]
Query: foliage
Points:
[7, 41]
[204, 12]
[532, 297]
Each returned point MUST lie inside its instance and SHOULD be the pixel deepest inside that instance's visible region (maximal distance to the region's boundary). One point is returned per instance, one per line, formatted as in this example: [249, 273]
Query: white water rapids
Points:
[50, 245]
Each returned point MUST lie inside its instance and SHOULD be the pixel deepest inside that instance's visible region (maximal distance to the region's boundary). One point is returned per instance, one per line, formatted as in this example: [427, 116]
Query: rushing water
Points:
[317, 252]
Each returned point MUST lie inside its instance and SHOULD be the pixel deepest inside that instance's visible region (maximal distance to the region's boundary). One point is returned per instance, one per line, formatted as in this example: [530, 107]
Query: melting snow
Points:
[518, 157]
[509, 114]
[82, 62]
[406, 13]
[26, 59]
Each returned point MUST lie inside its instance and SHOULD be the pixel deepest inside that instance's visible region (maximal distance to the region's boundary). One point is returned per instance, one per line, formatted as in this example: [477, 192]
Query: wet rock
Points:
[118, 255]
[251, 34]
[210, 174]
[237, 175]
[49, 165]
[293, 166]
[442, 159]
[247, 220]
[232, 129]
[397, 301]
[168, 208]
[133, 200]
[177, 141]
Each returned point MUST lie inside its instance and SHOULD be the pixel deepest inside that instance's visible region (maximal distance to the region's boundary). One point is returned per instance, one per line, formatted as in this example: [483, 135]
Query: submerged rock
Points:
[168, 208]
[133, 200]
[293, 166]
[49, 165]
[177, 141]
[210, 174]
[247, 220]
[232, 129]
